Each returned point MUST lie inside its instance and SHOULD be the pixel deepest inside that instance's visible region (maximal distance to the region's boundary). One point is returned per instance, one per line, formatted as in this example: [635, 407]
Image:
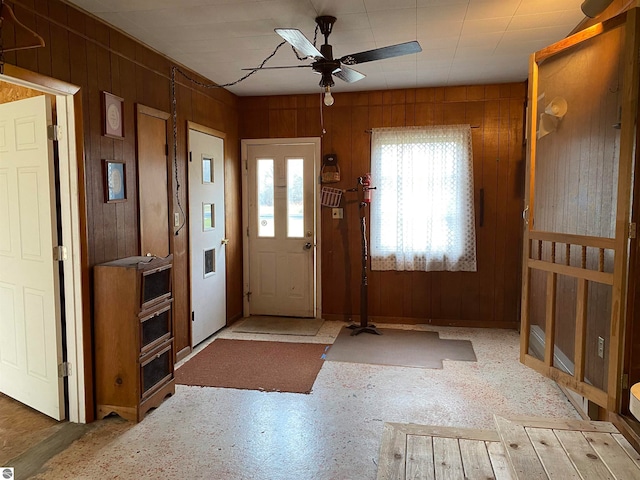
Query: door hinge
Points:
[625, 381]
[64, 370]
[248, 296]
[193, 316]
[247, 231]
[59, 253]
[191, 156]
[53, 132]
[633, 230]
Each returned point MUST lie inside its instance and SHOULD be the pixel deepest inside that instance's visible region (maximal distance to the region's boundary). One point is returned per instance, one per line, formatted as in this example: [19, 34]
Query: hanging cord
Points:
[174, 115]
[214, 85]
[315, 37]
[174, 109]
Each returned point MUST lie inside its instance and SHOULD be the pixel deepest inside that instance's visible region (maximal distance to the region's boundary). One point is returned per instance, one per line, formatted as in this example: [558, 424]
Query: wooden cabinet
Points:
[133, 335]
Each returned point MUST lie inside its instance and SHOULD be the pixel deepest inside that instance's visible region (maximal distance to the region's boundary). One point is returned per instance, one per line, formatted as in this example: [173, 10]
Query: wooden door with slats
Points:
[577, 208]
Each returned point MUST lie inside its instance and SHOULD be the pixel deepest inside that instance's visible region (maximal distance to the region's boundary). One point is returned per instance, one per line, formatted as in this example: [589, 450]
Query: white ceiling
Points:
[464, 42]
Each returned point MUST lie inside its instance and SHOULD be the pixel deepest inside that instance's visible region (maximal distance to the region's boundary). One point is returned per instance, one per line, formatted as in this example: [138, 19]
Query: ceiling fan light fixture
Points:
[328, 98]
[327, 66]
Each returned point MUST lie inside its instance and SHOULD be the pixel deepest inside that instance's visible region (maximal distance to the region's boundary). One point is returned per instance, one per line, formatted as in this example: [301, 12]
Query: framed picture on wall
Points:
[115, 176]
[112, 123]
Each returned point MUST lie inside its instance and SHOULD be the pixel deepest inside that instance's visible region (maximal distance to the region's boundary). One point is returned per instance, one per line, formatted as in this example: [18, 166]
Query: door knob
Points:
[307, 246]
[224, 241]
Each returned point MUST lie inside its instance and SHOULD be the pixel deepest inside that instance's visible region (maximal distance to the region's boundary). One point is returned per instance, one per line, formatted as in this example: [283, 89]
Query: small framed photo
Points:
[115, 176]
[112, 122]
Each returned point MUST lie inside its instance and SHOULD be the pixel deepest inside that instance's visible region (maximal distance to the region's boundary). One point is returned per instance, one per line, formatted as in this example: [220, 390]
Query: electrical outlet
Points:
[337, 213]
[601, 347]
[176, 219]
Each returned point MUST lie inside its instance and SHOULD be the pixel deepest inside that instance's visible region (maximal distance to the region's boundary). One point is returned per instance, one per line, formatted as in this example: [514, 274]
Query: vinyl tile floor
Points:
[334, 433]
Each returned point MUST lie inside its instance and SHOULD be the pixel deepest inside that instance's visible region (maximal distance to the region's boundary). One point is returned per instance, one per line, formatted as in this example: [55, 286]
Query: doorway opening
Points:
[72, 298]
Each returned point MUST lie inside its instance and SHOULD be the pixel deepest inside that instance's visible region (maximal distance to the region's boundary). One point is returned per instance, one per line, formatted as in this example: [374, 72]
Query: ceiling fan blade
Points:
[299, 42]
[349, 75]
[382, 53]
[275, 68]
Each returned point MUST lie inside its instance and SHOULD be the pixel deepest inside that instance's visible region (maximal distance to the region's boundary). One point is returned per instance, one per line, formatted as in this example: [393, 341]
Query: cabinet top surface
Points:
[140, 262]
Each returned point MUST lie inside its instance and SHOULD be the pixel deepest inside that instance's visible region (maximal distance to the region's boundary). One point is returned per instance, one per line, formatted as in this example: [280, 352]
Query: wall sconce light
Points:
[328, 98]
[593, 8]
[550, 118]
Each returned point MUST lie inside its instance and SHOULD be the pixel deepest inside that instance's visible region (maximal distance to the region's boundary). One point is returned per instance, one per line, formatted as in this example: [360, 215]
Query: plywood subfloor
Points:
[521, 448]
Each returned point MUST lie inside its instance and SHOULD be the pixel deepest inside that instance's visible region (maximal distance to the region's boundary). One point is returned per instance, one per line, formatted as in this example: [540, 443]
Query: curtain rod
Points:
[472, 126]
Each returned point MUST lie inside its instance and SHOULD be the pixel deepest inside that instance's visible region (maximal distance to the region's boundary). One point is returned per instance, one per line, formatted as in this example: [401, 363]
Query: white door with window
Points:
[281, 224]
[207, 234]
[30, 328]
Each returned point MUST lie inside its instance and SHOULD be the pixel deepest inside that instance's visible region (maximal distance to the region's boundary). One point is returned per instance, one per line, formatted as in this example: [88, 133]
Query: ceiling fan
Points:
[328, 67]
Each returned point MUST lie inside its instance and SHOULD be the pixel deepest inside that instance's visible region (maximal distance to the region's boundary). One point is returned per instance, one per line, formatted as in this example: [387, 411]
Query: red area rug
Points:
[254, 365]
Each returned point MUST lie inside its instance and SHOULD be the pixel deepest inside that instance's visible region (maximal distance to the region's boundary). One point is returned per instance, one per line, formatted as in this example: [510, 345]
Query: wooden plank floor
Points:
[520, 448]
[411, 452]
[569, 449]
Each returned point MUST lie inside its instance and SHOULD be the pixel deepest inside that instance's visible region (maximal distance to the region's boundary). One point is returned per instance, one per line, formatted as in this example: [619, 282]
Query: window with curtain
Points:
[422, 215]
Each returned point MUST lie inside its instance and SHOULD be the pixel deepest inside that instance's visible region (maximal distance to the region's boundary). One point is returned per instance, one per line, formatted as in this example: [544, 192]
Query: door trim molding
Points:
[204, 129]
[245, 144]
[74, 227]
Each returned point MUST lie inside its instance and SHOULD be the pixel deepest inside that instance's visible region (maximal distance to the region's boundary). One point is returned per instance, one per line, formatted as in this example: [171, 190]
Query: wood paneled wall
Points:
[83, 51]
[486, 298]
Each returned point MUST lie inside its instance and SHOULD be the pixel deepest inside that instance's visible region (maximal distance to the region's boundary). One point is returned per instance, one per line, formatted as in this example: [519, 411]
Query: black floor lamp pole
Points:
[364, 284]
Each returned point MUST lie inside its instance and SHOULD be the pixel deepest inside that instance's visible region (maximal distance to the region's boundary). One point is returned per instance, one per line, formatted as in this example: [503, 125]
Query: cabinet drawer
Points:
[156, 368]
[155, 326]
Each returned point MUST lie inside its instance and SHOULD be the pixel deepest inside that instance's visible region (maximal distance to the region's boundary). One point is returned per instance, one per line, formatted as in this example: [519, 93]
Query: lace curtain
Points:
[422, 215]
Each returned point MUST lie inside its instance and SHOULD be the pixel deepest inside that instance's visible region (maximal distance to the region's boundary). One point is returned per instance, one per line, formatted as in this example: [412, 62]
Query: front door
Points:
[30, 325]
[281, 227]
[207, 234]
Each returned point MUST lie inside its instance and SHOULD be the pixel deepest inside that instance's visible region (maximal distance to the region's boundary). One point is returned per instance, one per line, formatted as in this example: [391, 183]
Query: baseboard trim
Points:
[184, 353]
[423, 321]
[234, 319]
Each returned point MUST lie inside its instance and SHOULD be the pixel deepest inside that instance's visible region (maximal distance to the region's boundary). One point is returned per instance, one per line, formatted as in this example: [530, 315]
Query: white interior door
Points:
[30, 328]
[207, 235]
[282, 229]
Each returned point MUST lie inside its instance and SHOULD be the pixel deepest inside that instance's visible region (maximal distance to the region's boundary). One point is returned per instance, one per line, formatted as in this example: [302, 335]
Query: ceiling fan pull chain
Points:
[322, 117]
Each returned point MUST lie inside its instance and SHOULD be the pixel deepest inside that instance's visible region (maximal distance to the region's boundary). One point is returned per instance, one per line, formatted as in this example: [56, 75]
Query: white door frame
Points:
[69, 219]
[245, 144]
